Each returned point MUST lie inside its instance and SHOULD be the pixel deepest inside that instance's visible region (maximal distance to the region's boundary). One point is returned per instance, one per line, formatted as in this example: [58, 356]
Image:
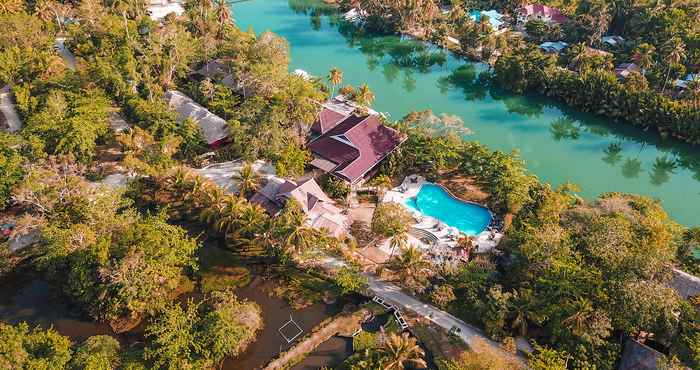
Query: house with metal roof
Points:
[214, 129]
[350, 148]
[494, 17]
[320, 210]
[625, 69]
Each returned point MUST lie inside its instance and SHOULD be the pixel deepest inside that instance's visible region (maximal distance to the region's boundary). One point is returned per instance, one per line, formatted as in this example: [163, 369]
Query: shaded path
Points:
[7, 106]
[67, 56]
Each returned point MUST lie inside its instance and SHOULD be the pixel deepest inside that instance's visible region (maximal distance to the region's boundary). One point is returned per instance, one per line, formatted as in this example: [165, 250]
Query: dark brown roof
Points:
[637, 356]
[356, 145]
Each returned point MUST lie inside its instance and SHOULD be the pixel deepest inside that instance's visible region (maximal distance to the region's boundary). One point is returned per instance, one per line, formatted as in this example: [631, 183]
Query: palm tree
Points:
[364, 95]
[398, 351]
[248, 181]
[335, 77]
[675, 54]
[412, 267]
[693, 91]
[228, 220]
[223, 14]
[644, 56]
[577, 322]
[523, 311]
[399, 240]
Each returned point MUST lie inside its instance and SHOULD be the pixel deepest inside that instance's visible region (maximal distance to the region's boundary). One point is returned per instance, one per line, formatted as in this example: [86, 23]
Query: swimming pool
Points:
[434, 201]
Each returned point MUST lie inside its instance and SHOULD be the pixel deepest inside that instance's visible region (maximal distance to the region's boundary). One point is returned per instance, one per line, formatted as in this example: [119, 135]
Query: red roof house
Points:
[353, 147]
[541, 12]
[320, 210]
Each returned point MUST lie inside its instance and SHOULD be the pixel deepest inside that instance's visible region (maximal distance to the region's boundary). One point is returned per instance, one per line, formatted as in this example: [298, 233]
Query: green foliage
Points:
[291, 161]
[10, 166]
[350, 280]
[586, 270]
[390, 219]
[69, 122]
[30, 349]
[97, 353]
[544, 358]
[365, 341]
[201, 335]
[116, 264]
[529, 69]
[335, 188]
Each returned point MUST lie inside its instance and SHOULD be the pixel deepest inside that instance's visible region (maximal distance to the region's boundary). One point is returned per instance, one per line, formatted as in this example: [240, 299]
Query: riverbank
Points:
[558, 144]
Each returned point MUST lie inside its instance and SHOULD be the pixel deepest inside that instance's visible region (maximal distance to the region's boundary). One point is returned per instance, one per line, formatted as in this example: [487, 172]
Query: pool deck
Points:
[445, 234]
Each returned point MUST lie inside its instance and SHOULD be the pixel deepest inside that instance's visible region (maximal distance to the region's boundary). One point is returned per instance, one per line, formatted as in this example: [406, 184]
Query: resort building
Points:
[613, 40]
[541, 12]
[350, 147]
[554, 47]
[158, 9]
[320, 210]
[495, 18]
[683, 83]
[214, 129]
[625, 69]
[9, 120]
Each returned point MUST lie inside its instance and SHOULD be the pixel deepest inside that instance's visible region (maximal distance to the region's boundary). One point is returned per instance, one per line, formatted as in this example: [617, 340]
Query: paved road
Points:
[393, 294]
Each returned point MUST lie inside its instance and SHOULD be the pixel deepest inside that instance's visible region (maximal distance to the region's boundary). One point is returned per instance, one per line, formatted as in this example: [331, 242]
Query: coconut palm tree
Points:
[578, 320]
[523, 311]
[401, 350]
[248, 181]
[364, 95]
[335, 77]
[400, 240]
[674, 49]
[223, 14]
[693, 91]
[412, 267]
[644, 56]
[229, 215]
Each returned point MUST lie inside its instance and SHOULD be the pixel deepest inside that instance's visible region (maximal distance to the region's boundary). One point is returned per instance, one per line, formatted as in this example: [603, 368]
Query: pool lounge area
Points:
[442, 216]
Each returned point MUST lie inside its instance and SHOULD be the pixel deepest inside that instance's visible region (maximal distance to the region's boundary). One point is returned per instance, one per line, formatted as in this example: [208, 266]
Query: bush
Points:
[335, 188]
[365, 340]
[390, 219]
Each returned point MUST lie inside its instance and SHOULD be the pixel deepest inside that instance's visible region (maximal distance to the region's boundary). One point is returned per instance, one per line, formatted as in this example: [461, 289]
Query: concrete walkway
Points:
[393, 294]
[7, 107]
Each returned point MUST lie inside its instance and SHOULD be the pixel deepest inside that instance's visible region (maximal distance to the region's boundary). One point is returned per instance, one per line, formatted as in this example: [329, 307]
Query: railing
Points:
[423, 234]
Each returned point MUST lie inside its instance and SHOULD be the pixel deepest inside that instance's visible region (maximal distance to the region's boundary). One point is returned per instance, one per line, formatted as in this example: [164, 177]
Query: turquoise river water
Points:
[557, 143]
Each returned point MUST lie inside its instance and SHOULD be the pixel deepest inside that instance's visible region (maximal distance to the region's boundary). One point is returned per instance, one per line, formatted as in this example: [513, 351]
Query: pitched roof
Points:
[623, 70]
[212, 127]
[356, 145]
[685, 284]
[327, 119]
[637, 356]
[544, 11]
[320, 210]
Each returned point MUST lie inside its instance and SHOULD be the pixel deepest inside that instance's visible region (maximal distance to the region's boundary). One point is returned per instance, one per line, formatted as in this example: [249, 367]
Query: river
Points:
[557, 143]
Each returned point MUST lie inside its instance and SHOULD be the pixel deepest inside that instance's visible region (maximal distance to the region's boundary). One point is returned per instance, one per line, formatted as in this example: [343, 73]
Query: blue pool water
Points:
[434, 201]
